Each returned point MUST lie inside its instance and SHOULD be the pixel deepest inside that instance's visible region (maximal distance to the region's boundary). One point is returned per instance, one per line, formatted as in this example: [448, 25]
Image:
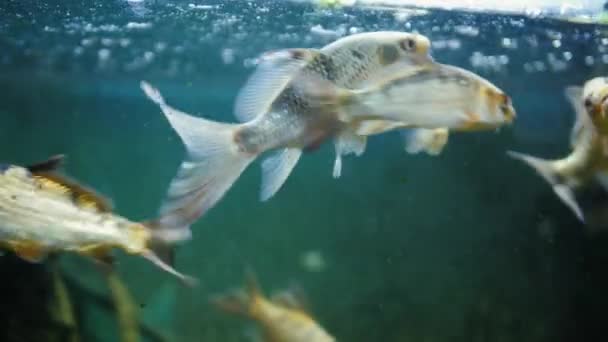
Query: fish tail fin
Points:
[546, 168]
[213, 164]
[161, 248]
[242, 302]
[430, 141]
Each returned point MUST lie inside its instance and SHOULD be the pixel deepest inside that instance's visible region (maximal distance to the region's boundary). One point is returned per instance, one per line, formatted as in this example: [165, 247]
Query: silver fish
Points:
[42, 212]
[588, 160]
[432, 96]
[275, 118]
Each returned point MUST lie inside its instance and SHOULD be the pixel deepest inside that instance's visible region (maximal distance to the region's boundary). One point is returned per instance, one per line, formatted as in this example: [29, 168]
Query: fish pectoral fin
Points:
[272, 75]
[49, 165]
[346, 143]
[430, 141]
[276, 169]
[29, 251]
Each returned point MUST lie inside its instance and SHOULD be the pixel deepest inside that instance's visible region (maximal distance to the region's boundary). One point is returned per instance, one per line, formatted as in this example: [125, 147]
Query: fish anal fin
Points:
[51, 164]
[276, 169]
[29, 251]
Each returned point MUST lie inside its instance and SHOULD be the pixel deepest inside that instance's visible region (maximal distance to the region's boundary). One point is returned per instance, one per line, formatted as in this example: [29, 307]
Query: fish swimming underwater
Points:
[588, 160]
[42, 212]
[433, 96]
[275, 118]
[346, 62]
[282, 319]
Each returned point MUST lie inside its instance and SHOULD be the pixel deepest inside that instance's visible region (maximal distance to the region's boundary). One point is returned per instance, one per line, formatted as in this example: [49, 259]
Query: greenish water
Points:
[467, 246]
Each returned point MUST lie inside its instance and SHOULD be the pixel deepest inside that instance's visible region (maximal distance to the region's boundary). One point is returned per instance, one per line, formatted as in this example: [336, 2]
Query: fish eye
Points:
[588, 103]
[408, 44]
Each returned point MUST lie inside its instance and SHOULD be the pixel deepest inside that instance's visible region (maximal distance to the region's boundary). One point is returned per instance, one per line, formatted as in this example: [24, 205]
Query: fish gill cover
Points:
[465, 246]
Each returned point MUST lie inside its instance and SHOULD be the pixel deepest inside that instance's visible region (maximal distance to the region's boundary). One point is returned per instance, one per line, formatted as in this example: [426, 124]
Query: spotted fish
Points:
[275, 118]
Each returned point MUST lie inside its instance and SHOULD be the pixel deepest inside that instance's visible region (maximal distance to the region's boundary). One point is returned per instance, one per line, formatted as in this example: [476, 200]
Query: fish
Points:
[274, 118]
[588, 160]
[357, 58]
[283, 318]
[43, 212]
[433, 96]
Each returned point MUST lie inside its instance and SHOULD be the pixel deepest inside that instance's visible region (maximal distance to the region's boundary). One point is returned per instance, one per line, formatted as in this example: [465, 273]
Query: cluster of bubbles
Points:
[140, 36]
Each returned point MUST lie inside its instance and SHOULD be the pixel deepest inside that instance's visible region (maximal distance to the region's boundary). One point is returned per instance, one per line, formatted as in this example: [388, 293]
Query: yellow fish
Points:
[42, 212]
[589, 141]
[282, 319]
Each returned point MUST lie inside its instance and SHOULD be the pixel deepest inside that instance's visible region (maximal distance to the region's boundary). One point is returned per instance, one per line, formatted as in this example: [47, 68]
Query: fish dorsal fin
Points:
[274, 72]
[49, 165]
[574, 94]
[82, 196]
[276, 169]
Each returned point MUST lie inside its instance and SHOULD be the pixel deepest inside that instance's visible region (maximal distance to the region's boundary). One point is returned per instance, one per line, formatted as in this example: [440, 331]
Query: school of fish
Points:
[295, 100]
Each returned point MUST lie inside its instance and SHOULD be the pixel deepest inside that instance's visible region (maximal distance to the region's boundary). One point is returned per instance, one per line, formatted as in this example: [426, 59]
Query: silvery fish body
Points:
[588, 160]
[430, 96]
[276, 117]
[42, 212]
[32, 210]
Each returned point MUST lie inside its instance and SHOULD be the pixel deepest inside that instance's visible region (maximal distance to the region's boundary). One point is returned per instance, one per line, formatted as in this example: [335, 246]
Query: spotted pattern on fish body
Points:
[291, 118]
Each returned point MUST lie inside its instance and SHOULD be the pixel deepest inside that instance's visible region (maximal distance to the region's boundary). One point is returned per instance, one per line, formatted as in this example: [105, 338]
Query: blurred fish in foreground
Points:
[276, 118]
[42, 212]
[588, 160]
[283, 318]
